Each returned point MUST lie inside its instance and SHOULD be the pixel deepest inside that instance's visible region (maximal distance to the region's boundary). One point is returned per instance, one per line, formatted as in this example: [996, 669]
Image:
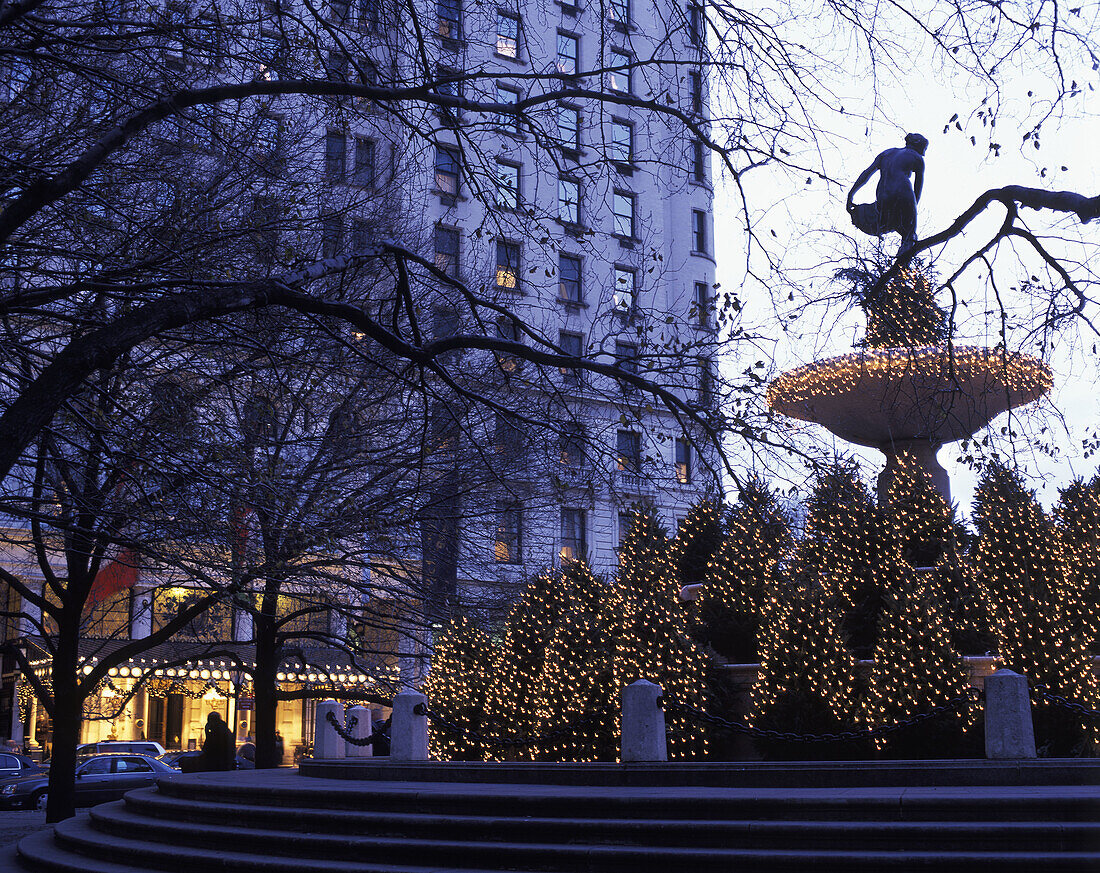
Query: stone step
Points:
[170, 819]
[79, 848]
[1021, 803]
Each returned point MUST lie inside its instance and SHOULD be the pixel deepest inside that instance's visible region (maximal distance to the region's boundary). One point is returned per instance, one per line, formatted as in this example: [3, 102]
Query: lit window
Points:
[625, 289]
[507, 274]
[621, 148]
[699, 231]
[683, 461]
[364, 162]
[568, 53]
[446, 251]
[450, 18]
[628, 446]
[508, 330]
[623, 209]
[569, 127]
[569, 278]
[507, 35]
[572, 443]
[507, 97]
[569, 200]
[507, 185]
[509, 542]
[619, 76]
[336, 160]
[446, 171]
[572, 345]
[574, 543]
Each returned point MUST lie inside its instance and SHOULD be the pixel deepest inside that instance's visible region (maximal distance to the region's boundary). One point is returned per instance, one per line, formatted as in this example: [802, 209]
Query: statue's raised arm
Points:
[896, 197]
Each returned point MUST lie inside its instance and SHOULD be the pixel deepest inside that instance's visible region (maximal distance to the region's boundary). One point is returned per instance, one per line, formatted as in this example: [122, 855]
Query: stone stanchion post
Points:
[643, 720]
[361, 731]
[408, 731]
[326, 742]
[1008, 729]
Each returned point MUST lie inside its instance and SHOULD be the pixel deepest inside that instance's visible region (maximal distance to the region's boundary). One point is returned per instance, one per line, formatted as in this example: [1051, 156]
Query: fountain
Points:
[909, 390]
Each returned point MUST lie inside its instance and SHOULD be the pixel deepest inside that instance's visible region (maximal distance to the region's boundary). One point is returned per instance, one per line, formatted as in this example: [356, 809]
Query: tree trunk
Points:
[263, 684]
[67, 713]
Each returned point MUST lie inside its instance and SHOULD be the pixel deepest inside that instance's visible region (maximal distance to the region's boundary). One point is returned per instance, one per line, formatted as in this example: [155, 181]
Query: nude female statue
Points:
[895, 206]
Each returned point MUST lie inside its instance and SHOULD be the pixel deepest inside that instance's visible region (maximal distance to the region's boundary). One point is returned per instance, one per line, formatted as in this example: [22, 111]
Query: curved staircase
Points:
[381, 817]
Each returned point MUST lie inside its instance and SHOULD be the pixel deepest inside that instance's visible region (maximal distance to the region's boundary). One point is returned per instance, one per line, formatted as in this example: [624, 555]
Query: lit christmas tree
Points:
[654, 643]
[513, 706]
[697, 540]
[807, 678]
[1022, 563]
[1078, 514]
[902, 313]
[846, 543]
[462, 664]
[728, 612]
[578, 689]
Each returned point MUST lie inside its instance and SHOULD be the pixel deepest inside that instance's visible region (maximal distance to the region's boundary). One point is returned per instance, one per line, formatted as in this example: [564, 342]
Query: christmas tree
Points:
[1078, 515]
[578, 694]
[1022, 563]
[807, 678]
[697, 540]
[513, 705]
[457, 687]
[727, 615]
[654, 643]
[901, 313]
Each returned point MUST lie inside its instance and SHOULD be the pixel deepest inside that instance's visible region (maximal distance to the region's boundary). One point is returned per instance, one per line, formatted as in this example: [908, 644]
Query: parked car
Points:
[136, 747]
[98, 778]
[12, 764]
[246, 757]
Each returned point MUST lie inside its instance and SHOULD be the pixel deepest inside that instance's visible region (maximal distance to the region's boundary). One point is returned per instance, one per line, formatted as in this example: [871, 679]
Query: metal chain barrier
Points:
[956, 703]
[514, 740]
[345, 732]
[1065, 703]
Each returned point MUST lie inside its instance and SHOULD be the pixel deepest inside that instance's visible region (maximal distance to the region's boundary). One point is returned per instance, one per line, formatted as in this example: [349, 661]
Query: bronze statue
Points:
[895, 206]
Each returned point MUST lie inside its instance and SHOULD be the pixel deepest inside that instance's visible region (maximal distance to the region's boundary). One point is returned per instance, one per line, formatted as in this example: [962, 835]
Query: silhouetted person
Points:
[895, 206]
[219, 748]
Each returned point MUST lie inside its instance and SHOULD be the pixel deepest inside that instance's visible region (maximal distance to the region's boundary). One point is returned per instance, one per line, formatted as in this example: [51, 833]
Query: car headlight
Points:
[8, 790]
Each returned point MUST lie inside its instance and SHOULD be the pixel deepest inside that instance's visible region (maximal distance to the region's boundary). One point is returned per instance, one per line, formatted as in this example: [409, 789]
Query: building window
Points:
[619, 11]
[509, 543]
[695, 80]
[568, 53]
[446, 251]
[626, 356]
[569, 279]
[695, 24]
[701, 304]
[336, 157]
[273, 56]
[507, 35]
[698, 162]
[706, 383]
[683, 461]
[628, 451]
[699, 231]
[269, 144]
[450, 18]
[338, 11]
[623, 208]
[369, 18]
[622, 142]
[626, 522]
[569, 127]
[507, 436]
[507, 185]
[360, 234]
[332, 232]
[446, 171]
[364, 162]
[620, 74]
[448, 84]
[508, 330]
[507, 97]
[336, 66]
[572, 443]
[574, 543]
[507, 273]
[572, 346]
[266, 220]
[626, 290]
[569, 200]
